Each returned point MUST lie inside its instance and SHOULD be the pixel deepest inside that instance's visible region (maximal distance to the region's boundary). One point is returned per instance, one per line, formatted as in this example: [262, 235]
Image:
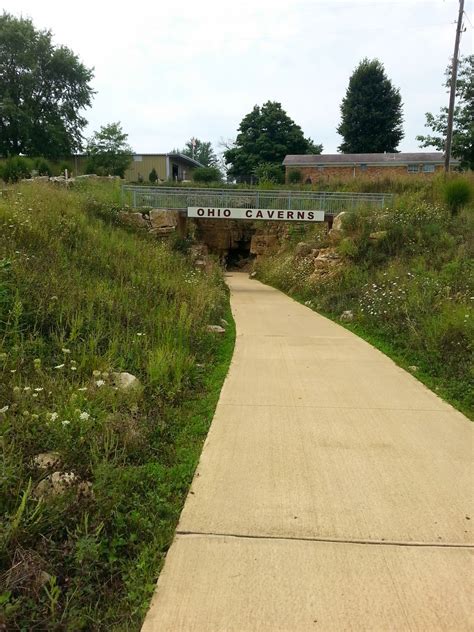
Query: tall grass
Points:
[80, 299]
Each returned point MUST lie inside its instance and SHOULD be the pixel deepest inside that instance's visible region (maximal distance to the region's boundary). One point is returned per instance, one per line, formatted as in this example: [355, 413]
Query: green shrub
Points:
[295, 176]
[153, 177]
[42, 167]
[207, 174]
[457, 193]
[16, 168]
[270, 172]
[63, 165]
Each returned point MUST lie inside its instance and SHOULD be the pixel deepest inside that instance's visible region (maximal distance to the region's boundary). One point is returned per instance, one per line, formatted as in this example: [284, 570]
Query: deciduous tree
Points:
[371, 111]
[463, 128]
[266, 135]
[108, 151]
[43, 91]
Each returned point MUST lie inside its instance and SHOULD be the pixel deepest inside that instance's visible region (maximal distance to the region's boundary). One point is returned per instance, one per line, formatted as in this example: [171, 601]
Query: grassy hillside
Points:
[81, 298]
[407, 276]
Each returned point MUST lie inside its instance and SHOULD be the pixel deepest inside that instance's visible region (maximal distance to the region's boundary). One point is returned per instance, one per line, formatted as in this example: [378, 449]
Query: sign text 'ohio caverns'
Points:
[256, 213]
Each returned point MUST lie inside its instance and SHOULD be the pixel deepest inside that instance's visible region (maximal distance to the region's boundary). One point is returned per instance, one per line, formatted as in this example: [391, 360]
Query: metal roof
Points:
[386, 159]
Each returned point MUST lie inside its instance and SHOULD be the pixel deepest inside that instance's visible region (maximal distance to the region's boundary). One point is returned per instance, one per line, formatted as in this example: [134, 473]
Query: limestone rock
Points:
[263, 244]
[55, 484]
[335, 235]
[47, 460]
[337, 222]
[347, 316]
[216, 329]
[252, 275]
[224, 323]
[125, 381]
[378, 235]
[302, 249]
[160, 219]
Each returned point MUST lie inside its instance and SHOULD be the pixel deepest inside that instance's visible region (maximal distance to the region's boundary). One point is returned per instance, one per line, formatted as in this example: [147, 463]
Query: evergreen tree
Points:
[266, 135]
[371, 111]
[463, 128]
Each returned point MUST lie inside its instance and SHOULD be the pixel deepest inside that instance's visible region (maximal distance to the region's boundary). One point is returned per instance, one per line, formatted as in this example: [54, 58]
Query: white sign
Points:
[256, 213]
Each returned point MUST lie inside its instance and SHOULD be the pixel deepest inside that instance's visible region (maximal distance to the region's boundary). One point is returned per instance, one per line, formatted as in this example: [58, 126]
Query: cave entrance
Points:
[238, 255]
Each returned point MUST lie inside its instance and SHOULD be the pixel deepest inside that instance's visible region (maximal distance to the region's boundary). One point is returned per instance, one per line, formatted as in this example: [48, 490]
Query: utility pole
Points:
[452, 94]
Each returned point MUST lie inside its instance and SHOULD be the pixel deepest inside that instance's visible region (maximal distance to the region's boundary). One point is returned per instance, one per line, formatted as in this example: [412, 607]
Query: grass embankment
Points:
[81, 298]
[407, 275]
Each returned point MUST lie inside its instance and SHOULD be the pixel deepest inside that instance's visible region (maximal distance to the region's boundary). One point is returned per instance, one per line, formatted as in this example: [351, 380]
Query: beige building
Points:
[172, 166]
[316, 168]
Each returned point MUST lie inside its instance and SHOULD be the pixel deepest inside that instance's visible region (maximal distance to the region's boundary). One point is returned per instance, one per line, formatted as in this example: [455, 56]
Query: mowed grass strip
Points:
[81, 298]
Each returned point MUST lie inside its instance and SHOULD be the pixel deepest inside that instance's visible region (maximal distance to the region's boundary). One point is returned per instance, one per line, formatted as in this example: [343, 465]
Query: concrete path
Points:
[334, 491]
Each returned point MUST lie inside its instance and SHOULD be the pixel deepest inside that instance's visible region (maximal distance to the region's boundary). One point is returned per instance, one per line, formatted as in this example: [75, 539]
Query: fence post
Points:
[134, 199]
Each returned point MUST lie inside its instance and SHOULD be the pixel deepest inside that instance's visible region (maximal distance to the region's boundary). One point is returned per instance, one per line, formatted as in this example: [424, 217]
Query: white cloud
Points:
[169, 71]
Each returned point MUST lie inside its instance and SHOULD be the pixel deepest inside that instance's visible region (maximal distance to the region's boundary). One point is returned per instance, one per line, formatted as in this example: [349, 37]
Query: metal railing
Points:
[175, 198]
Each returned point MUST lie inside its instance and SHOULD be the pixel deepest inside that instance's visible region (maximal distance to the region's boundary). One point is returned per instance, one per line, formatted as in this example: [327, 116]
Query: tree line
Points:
[45, 89]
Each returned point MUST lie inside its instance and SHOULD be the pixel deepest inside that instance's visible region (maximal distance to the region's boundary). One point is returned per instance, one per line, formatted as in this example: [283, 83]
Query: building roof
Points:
[191, 161]
[385, 159]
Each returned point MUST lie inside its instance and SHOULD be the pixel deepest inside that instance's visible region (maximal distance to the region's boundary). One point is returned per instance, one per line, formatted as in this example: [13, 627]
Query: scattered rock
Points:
[337, 222]
[314, 253]
[84, 490]
[413, 368]
[216, 329]
[224, 323]
[200, 264]
[347, 316]
[47, 460]
[55, 484]
[125, 381]
[378, 235]
[252, 275]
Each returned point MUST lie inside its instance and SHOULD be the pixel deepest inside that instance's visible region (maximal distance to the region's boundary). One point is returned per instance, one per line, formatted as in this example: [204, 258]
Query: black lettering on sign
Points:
[200, 212]
[300, 214]
[226, 212]
[259, 214]
[290, 215]
[271, 214]
[248, 212]
[310, 215]
[281, 214]
[210, 212]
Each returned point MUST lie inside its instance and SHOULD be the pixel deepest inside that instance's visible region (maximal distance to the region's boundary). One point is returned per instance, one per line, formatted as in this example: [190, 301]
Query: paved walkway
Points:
[334, 491]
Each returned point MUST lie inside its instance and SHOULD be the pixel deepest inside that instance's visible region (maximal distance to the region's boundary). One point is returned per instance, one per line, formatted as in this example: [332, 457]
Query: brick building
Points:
[315, 168]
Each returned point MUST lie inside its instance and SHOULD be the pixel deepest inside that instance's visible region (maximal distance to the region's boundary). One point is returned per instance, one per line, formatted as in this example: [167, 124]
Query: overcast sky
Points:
[172, 70]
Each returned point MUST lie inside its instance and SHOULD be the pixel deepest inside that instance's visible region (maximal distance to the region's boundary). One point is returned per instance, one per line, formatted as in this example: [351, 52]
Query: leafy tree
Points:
[371, 111]
[203, 152]
[463, 122]
[207, 174]
[109, 154]
[43, 90]
[266, 135]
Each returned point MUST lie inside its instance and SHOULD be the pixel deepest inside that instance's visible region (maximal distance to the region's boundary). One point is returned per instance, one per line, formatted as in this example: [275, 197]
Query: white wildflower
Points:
[59, 366]
[84, 416]
[100, 383]
[27, 389]
[66, 350]
[83, 388]
[65, 422]
[53, 416]
[4, 409]
[38, 390]
[96, 373]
